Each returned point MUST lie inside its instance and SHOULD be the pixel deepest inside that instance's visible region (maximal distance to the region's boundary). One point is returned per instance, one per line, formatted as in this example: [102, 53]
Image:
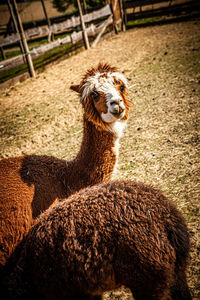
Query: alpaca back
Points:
[28, 186]
[119, 233]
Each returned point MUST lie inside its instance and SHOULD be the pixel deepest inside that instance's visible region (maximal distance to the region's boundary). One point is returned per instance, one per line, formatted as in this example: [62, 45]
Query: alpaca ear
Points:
[75, 88]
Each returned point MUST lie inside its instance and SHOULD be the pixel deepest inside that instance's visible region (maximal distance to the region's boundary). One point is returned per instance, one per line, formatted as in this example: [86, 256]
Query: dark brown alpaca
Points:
[30, 184]
[112, 234]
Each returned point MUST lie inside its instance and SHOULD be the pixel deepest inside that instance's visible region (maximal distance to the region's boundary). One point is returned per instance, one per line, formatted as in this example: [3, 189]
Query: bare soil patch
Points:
[161, 142]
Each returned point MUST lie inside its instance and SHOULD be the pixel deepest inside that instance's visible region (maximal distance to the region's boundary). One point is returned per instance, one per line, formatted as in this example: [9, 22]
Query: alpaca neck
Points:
[97, 154]
[97, 157]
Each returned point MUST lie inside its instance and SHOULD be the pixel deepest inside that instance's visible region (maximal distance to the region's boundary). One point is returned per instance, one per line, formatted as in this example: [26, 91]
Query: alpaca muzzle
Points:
[117, 107]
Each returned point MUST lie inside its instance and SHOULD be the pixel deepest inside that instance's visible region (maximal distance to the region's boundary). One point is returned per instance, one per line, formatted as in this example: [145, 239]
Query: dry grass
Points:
[161, 142]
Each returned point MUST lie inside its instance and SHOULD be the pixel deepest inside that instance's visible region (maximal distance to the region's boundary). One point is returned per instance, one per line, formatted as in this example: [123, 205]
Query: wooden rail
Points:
[73, 38]
[171, 8]
[56, 28]
[139, 3]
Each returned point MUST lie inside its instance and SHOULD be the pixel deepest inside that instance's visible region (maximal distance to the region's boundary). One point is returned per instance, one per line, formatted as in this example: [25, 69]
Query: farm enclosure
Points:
[161, 141]
[36, 30]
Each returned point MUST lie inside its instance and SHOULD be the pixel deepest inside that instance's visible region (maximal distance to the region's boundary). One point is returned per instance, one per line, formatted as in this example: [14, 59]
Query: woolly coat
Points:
[113, 234]
[30, 184]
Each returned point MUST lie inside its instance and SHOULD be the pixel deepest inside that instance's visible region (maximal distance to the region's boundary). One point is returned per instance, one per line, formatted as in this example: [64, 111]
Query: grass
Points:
[144, 21]
[43, 60]
[11, 50]
[40, 62]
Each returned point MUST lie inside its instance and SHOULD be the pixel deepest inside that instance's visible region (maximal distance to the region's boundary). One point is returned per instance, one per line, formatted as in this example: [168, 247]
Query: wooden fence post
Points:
[122, 15]
[24, 42]
[12, 15]
[85, 37]
[117, 14]
[84, 7]
[2, 53]
[48, 21]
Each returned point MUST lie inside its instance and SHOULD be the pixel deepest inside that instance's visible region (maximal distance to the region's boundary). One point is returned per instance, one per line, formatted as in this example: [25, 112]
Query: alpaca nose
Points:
[117, 106]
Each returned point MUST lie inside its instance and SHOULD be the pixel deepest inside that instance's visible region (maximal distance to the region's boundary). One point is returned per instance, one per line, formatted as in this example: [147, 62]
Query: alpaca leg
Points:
[180, 290]
[150, 297]
[78, 297]
[161, 293]
[84, 297]
[95, 297]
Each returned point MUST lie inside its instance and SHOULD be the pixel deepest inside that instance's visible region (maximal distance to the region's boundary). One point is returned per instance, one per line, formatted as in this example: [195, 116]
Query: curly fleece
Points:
[113, 234]
[31, 183]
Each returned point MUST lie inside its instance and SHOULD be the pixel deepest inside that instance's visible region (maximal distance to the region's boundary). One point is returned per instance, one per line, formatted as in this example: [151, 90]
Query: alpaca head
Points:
[103, 92]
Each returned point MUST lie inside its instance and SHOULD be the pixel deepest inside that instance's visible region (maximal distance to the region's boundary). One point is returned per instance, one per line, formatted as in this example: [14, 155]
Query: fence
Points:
[118, 13]
[141, 9]
[57, 28]
[73, 38]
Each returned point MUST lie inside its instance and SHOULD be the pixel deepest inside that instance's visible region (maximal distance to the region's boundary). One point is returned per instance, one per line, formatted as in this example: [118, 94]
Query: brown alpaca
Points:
[30, 184]
[105, 236]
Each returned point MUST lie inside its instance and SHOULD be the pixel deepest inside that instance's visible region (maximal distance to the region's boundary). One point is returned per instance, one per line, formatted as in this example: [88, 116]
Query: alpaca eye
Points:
[95, 95]
[122, 87]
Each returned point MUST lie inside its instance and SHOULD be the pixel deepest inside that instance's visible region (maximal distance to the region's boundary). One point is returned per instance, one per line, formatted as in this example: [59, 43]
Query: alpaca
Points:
[111, 234]
[30, 184]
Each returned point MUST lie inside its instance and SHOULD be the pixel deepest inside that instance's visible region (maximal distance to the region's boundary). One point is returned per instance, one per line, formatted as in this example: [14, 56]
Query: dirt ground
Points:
[161, 142]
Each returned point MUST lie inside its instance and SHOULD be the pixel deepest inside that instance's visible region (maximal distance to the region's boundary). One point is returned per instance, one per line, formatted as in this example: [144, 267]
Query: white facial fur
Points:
[106, 85]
